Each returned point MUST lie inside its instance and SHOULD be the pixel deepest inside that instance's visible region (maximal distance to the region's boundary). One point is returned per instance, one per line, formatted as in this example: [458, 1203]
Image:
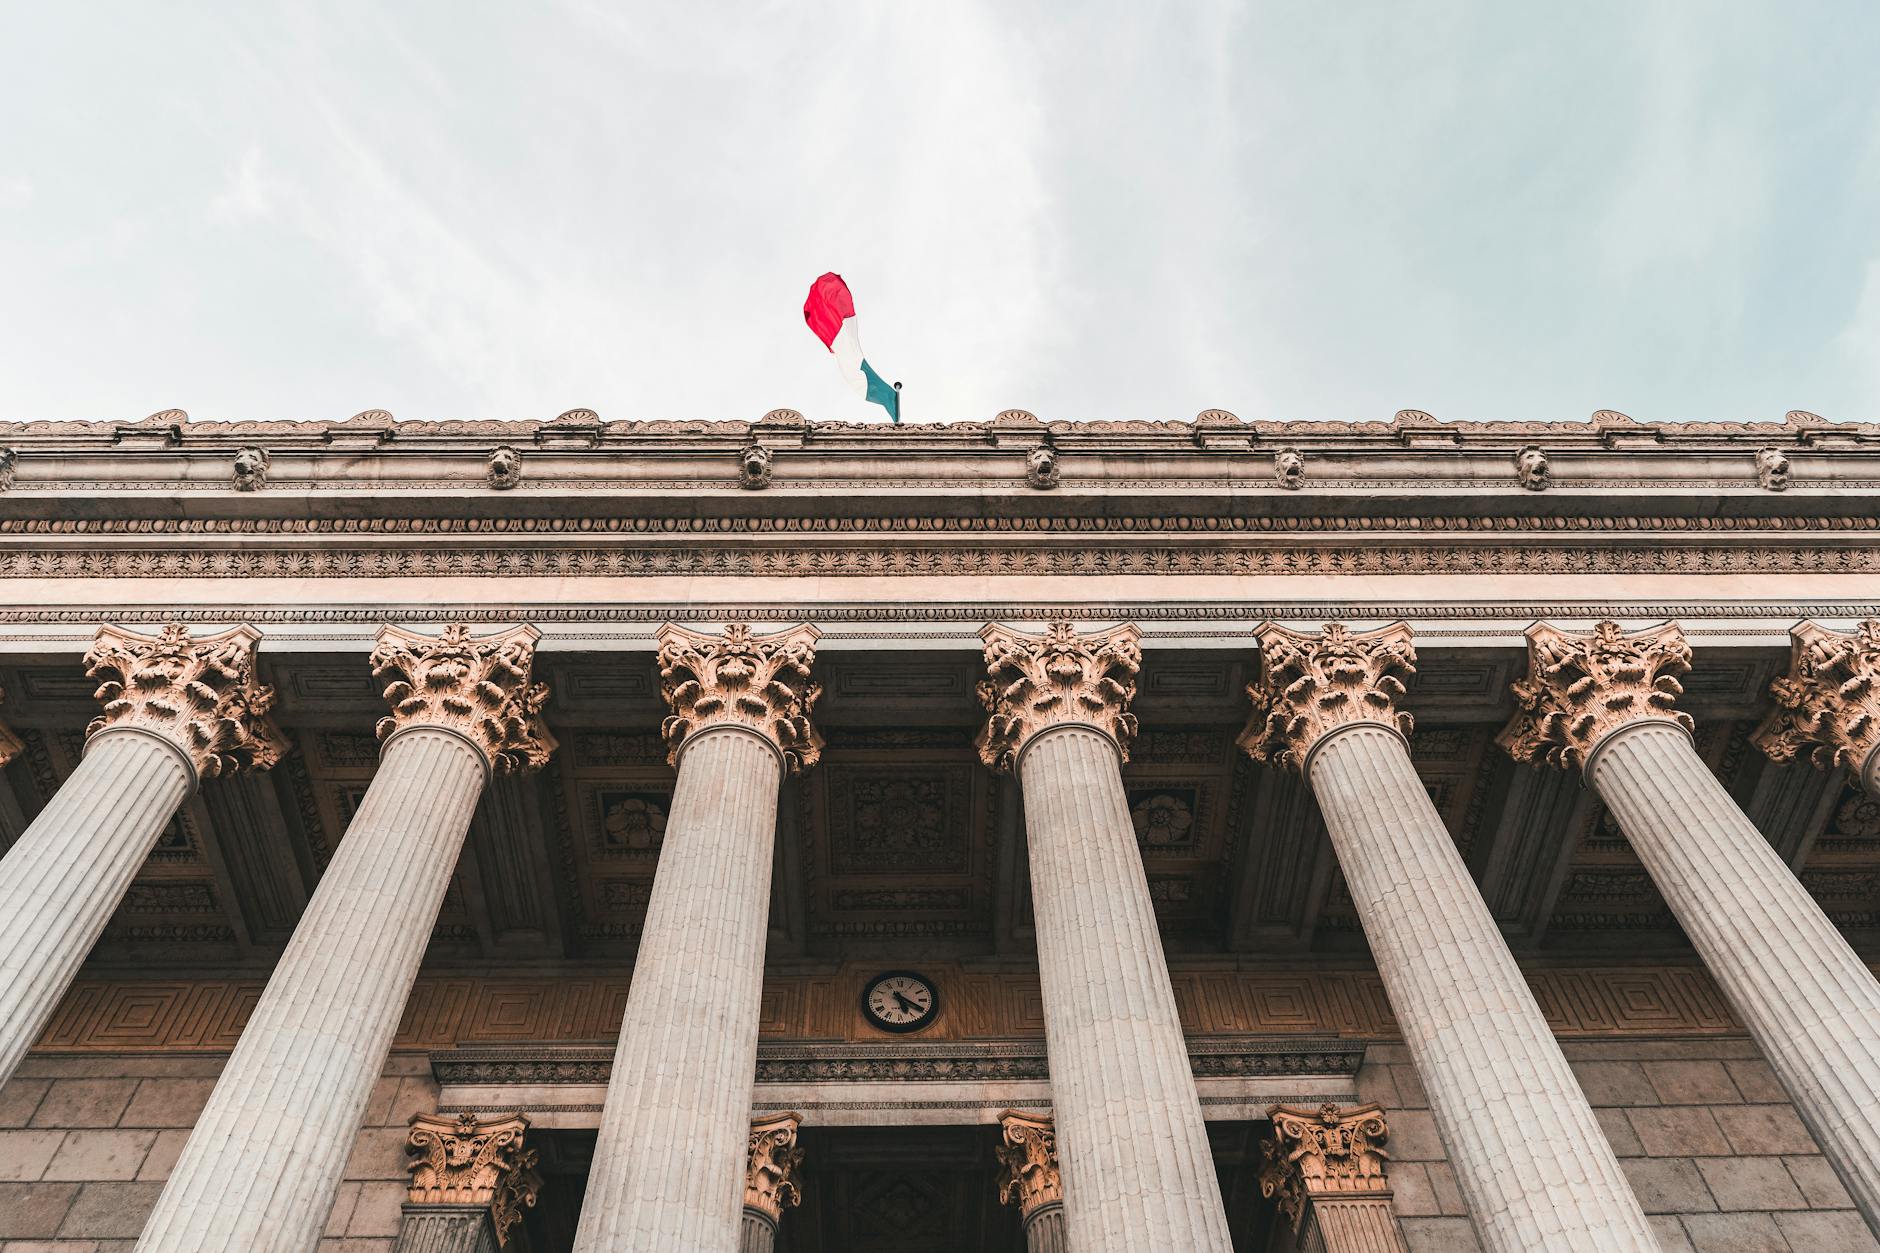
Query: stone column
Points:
[1137, 1170]
[176, 710]
[1604, 702]
[1030, 1179]
[260, 1169]
[1325, 1168]
[471, 1179]
[769, 1180]
[1529, 1156]
[669, 1166]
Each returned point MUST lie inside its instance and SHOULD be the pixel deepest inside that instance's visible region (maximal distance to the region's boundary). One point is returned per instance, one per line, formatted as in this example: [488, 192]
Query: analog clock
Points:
[900, 1001]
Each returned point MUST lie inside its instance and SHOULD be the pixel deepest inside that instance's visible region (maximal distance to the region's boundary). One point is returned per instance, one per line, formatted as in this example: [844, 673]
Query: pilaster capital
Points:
[1028, 1175]
[1323, 1153]
[758, 682]
[1036, 682]
[200, 695]
[477, 686]
[473, 1162]
[10, 744]
[1828, 704]
[770, 1165]
[1311, 685]
[1580, 688]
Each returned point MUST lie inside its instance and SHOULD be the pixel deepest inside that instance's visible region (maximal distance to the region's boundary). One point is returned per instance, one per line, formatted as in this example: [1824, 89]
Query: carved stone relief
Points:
[478, 686]
[759, 682]
[1579, 687]
[199, 694]
[1310, 685]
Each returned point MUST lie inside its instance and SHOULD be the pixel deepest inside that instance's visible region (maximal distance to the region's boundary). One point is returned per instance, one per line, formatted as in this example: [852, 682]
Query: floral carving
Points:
[1772, 469]
[1580, 687]
[760, 682]
[1311, 685]
[1036, 682]
[1041, 467]
[1289, 468]
[251, 469]
[633, 822]
[1828, 704]
[1323, 1152]
[770, 1166]
[754, 467]
[473, 1162]
[477, 686]
[1530, 466]
[1028, 1175]
[1162, 818]
[199, 694]
[504, 468]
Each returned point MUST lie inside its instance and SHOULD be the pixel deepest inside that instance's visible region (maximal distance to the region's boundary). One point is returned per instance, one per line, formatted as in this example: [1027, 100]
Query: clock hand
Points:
[906, 1004]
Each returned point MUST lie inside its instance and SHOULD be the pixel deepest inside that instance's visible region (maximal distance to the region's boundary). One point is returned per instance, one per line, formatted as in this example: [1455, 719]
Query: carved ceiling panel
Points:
[609, 796]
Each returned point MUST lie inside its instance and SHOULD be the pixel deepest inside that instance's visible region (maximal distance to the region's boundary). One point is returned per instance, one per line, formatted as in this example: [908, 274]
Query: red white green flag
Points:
[830, 312]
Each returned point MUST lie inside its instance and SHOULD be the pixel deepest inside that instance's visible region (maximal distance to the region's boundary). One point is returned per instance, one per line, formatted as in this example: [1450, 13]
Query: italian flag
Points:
[830, 312]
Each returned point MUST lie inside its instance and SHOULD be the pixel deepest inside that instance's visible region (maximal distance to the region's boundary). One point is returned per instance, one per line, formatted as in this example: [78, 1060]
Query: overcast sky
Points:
[461, 209]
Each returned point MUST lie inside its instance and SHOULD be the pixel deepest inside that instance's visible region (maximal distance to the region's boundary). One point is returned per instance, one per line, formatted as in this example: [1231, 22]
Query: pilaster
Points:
[770, 1184]
[471, 1179]
[1828, 704]
[1029, 1178]
[1326, 1170]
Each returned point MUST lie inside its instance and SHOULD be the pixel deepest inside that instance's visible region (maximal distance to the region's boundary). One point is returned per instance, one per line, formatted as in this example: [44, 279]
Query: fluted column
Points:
[1605, 702]
[769, 1180]
[176, 710]
[1325, 1168]
[260, 1169]
[1137, 1171]
[471, 1179]
[1029, 1179]
[669, 1166]
[1529, 1156]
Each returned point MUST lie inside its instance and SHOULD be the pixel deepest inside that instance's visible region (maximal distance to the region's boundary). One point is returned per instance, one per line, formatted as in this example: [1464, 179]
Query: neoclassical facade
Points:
[782, 835]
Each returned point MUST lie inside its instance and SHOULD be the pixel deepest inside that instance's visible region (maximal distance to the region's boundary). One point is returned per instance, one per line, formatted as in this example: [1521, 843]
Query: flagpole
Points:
[898, 412]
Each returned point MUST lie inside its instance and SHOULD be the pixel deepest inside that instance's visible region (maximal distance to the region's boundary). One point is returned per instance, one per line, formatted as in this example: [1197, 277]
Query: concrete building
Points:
[585, 835]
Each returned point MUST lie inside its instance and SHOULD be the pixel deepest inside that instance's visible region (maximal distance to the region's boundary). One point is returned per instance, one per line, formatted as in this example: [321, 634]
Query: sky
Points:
[463, 209]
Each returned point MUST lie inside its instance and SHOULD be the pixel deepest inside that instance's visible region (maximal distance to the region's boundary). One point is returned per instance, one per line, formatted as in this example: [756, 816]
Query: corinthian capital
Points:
[1323, 1152]
[1581, 687]
[1028, 1164]
[476, 686]
[770, 1166]
[758, 682]
[199, 694]
[1035, 682]
[1310, 685]
[474, 1163]
[1828, 705]
[10, 744]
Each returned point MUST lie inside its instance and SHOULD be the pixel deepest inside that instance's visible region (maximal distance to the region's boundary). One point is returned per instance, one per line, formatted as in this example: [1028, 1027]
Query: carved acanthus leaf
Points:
[1310, 685]
[199, 694]
[1580, 687]
[1028, 1175]
[477, 686]
[1327, 1151]
[473, 1162]
[770, 1165]
[1035, 682]
[761, 682]
[1828, 704]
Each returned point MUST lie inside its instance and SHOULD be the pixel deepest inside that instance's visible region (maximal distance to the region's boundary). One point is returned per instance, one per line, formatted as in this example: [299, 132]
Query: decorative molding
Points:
[1310, 685]
[770, 1166]
[1028, 1163]
[758, 682]
[1040, 681]
[199, 694]
[477, 686]
[475, 1163]
[1327, 1152]
[1580, 687]
[1828, 704]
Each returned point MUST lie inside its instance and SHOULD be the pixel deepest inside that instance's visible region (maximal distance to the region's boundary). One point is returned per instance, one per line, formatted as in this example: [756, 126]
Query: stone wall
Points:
[86, 1142]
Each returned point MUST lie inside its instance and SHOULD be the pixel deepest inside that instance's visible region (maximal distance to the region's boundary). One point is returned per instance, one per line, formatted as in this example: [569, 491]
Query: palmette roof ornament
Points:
[1324, 1152]
[1311, 685]
[199, 694]
[770, 1166]
[1035, 682]
[759, 682]
[1581, 687]
[474, 1163]
[476, 686]
[1028, 1163]
[1828, 704]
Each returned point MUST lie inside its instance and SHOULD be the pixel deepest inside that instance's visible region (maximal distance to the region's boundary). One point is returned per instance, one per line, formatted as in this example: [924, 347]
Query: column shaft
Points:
[261, 1167]
[1529, 1156]
[1134, 1154]
[669, 1167]
[60, 883]
[1812, 1006]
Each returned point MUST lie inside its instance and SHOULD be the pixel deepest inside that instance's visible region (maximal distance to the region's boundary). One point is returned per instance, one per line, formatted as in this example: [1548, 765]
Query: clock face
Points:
[899, 1001]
